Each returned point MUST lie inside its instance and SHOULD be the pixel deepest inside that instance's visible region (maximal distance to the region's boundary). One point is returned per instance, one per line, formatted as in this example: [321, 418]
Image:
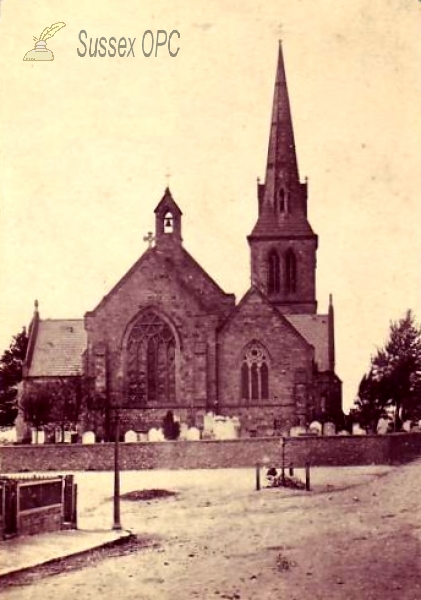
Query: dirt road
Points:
[220, 539]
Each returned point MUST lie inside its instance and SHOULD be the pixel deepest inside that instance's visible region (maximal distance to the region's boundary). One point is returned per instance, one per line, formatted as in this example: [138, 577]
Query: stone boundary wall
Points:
[317, 451]
[40, 521]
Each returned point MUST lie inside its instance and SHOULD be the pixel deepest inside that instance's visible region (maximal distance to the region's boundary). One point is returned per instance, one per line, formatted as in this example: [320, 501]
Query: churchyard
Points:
[355, 535]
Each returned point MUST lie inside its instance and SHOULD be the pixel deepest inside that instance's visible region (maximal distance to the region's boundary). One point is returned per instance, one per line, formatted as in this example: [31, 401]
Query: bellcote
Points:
[168, 220]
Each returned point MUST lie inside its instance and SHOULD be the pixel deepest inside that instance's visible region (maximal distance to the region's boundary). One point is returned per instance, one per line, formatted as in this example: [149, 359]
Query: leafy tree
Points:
[394, 379]
[10, 375]
[56, 402]
[370, 403]
[37, 406]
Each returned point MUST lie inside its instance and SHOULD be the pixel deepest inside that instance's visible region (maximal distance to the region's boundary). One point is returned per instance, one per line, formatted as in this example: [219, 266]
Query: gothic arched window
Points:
[255, 373]
[290, 272]
[274, 283]
[150, 373]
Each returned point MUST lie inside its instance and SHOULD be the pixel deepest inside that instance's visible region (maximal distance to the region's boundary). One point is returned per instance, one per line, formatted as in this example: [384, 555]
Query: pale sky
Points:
[85, 144]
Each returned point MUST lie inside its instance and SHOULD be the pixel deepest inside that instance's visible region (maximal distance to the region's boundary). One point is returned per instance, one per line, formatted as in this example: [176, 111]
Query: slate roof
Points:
[315, 329]
[58, 350]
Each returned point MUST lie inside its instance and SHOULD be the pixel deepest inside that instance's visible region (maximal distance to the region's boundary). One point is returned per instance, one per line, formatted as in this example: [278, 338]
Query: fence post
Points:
[74, 506]
[68, 509]
[307, 477]
[257, 477]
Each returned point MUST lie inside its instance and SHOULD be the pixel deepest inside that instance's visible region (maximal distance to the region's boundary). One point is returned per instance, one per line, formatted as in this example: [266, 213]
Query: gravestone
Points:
[155, 435]
[297, 430]
[315, 427]
[184, 428]
[382, 426]
[343, 432]
[220, 429]
[88, 437]
[237, 426]
[130, 437]
[407, 425]
[208, 422]
[329, 429]
[193, 434]
[357, 430]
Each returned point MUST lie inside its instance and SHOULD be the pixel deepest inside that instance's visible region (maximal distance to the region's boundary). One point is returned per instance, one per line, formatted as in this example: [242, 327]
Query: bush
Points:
[170, 427]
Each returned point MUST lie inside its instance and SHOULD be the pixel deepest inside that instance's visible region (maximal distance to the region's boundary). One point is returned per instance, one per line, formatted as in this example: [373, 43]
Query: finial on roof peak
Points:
[36, 305]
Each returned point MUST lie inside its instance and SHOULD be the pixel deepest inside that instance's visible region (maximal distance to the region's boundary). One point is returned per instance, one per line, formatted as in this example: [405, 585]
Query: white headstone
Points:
[382, 426]
[315, 427]
[407, 425]
[41, 437]
[343, 432]
[329, 429]
[184, 428]
[297, 430]
[208, 422]
[155, 435]
[67, 437]
[143, 436]
[8, 435]
[130, 437]
[357, 430]
[237, 426]
[193, 434]
[88, 437]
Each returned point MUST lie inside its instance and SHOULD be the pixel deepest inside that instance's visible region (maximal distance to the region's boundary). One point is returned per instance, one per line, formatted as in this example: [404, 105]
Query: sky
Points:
[88, 145]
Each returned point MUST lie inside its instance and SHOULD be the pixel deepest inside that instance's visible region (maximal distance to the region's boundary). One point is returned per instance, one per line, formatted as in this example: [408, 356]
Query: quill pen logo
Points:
[40, 51]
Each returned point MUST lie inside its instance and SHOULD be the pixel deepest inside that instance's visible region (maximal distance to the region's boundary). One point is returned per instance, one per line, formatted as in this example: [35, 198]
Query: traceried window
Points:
[150, 361]
[290, 271]
[274, 283]
[255, 373]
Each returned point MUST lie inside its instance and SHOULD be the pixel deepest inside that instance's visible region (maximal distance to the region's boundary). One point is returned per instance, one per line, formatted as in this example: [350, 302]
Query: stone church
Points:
[167, 337]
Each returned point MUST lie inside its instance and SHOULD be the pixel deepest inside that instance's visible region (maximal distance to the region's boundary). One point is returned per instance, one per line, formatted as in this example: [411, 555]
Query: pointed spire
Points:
[282, 158]
[282, 198]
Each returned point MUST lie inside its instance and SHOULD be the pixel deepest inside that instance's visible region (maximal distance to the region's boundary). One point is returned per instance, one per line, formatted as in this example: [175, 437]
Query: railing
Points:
[37, 504]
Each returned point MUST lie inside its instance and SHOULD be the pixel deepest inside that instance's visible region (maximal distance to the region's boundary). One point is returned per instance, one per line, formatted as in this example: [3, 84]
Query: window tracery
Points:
[150, 361]
[255, 373]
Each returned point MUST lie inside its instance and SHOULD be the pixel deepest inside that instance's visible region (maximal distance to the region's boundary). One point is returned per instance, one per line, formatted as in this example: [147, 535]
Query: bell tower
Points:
[282, 244]
[168, 221]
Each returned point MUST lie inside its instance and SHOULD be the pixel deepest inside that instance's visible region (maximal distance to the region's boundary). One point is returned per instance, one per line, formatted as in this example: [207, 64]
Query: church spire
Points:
[282, 158]
[282, 198]
[282, 243]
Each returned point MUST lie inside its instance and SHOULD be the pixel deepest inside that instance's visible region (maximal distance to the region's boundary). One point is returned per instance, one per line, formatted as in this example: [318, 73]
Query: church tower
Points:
[283, 245]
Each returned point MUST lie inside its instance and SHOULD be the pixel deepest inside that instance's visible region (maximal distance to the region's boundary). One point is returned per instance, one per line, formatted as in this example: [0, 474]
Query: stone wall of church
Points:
[289, 363]
[153, 285]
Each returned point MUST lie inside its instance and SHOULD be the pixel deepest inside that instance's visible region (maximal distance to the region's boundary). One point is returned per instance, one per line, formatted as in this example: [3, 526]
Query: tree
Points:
[37, 406]
[10, 375]
[394, 379]
[55, 402]
[370, 403]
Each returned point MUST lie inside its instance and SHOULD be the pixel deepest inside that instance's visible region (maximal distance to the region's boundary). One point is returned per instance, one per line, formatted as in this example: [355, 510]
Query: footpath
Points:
[23, 553]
